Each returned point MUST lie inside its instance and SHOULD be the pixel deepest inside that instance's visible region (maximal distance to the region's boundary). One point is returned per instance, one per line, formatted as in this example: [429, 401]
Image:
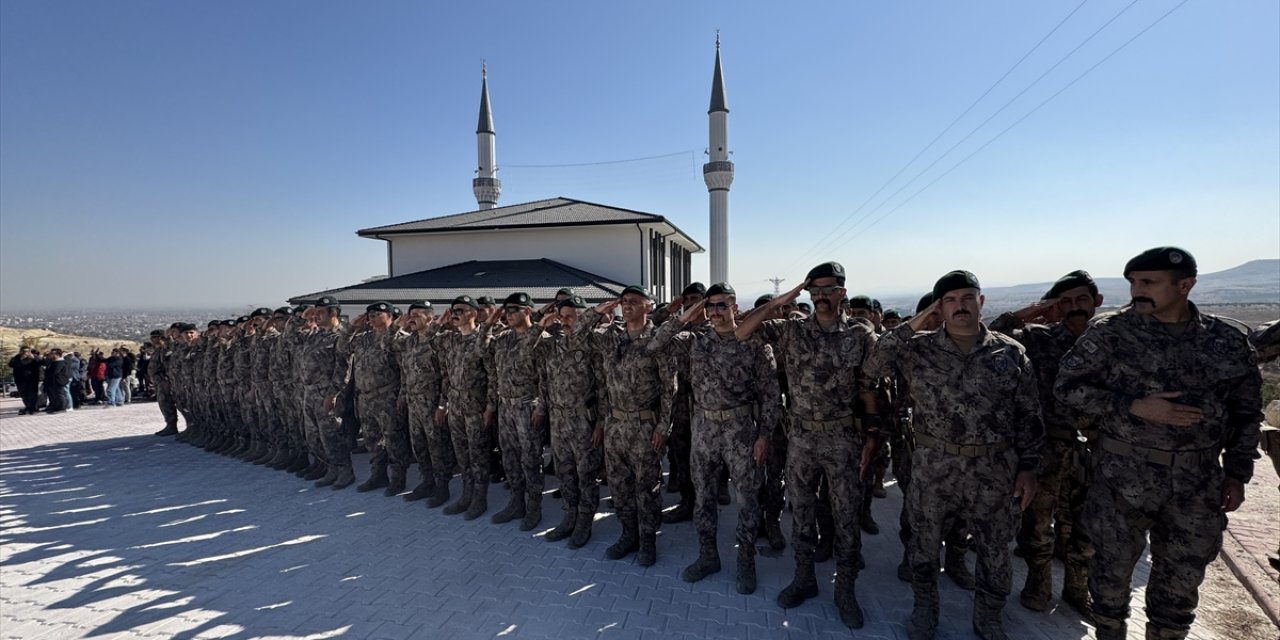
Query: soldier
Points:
[892, 319]
[639, 385]
[772, 493]
[865, 307]
[828, 391]
[734, 388]
[1266, 340]
[514, 390]
[420, 396]
[368, 343]
[158, 371]
[1173, 390]
[1066, 433]
[977, 431]
[467, 411]
[570, 400]
[679, 476]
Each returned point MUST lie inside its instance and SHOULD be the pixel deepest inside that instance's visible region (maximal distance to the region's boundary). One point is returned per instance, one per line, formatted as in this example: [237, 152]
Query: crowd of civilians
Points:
[55, 381]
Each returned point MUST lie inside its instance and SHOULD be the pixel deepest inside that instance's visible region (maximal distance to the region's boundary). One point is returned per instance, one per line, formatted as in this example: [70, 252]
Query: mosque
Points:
[542, 246]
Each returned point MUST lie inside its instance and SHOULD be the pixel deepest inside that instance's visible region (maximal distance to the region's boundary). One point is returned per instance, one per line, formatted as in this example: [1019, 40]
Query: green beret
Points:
[574, 301]
[300, 308]
[891, 314]
[232, 322]
[464, 299]
[925, 301]
[875, 305]
[860, 302]
[327, 301]
[177, 325]
[284, 311]
[564, 291]
[694, 288]
[214, 323]
[638, 290]
[721, 289]
[156, 333]
[958, 279]
[425, 304]
[260, 312]
[1161, 259]
[485, 300]
[519, 299]
[379, 307]
[764, 299]
[827, 270]
[1075, 279]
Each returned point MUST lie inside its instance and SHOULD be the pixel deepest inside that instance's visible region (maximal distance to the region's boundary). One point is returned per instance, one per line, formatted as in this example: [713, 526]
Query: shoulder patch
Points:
[1088, 345]
[1072, 361]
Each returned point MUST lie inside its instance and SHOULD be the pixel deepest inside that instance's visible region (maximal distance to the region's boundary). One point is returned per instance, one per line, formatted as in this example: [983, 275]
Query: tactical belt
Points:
[570, 412]
[1176, 459]
[1060, 434]
[834, 424]
[724, 415]
[643, 414]
[515, 401]
[966, 450]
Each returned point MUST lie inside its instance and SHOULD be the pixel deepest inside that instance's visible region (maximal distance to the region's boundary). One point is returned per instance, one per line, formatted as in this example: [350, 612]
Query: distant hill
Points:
[1257, 281]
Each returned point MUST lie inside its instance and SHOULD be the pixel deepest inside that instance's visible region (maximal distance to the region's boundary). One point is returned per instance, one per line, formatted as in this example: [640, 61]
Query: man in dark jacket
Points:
[57, 375]
[26, 375]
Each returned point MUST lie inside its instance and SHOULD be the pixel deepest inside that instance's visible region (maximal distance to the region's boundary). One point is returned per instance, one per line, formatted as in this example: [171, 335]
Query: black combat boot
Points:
[847, 600]
[440, 495]
[923, 623]
[330, 475]
[283, 458]
[425, 488]
[513, 510]
[377, 480]
[957, 570]
[746, 582]
[346, 476]
[682, 513]
[647, 555]
[300, 464]
[1038, 589]
[464, 501]
[708, 562]
[773, 531]
[803, 586]
[168, 430]
[479, 503]
[581, 532]
[566, 526]
[626, 544]
[320, 470]
[986, 618]
[1075, 588]
[395, 481]
[532, 513]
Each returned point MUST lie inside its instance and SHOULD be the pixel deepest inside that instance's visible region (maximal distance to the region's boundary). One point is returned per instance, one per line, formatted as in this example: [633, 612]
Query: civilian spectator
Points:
[127, 380]
[115, 371]
[57, 376]
[26, 375]
[144, 364]
[75, 388]
[98, 377]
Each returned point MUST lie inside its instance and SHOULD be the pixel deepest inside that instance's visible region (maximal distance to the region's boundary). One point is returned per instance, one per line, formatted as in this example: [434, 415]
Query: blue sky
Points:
[215, 154]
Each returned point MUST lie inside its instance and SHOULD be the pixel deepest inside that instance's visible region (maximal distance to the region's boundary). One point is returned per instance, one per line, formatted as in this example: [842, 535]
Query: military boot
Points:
[425, 488]
[904, 569]
[281, 460]
[1075, 589]
[300, 463]
[395, 481]
[168, 430]
[330, 475]
[877, 487]
[532, 513]
[773, 531]
[957, 570]
[184, 436]
[847, 599]
[682, 513]
[923, 623]
[513, 510]
[464, 500]
[479, 503]
[986, 618]
[377, 480]
[346, 476]
[440, 496]
[803, 586]
[319, 471]
[708, 562]
[1038, 589]
[626, 544]
[746, 580]
[268, 454]
[581, 532]
[647, 555]
[868, 523]
[566, 526]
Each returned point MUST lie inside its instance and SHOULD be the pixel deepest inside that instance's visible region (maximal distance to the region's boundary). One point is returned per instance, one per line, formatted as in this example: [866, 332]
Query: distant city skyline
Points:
[159, 155]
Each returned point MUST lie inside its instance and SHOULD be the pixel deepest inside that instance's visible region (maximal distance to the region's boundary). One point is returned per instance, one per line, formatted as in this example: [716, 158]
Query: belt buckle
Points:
[970, 450]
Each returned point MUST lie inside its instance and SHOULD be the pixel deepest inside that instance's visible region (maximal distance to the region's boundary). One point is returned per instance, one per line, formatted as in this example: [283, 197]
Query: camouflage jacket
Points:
[222, 356]
[1046, 345]
[280, 357]
[465, 370]
[260, 357]
[1126, 356]
[986, 396]
[318, 364]
[242, 348]
[723, 371]
[636, 378]
[419, 369]
[374, 365]
[158, 369]
[568, 370]
[824, 366]
[515, 371]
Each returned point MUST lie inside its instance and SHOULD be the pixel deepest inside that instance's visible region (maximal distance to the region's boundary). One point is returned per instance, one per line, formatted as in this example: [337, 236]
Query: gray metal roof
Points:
[717, 87]
[486, 118]
[498, 278]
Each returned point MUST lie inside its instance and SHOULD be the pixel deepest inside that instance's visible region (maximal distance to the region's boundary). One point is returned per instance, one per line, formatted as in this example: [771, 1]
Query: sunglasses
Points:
[717, 306]
[457, 311]
[824, 291]
[511, 309]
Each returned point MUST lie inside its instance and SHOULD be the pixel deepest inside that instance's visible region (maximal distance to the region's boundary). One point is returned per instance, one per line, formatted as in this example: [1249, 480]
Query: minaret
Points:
[486, 186]
[718, 174]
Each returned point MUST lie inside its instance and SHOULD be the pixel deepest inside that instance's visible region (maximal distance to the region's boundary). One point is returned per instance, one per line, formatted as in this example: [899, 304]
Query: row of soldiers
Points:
[984, 426]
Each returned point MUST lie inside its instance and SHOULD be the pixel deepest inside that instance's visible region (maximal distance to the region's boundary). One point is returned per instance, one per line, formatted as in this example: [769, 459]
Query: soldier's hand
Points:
[659, 440]
[597, 436]
[673, 307]
[760, 452]
[490, 418]
[330, 403]
[442, 417]
[401, 405]
[548, 320]
[539, 420]
[694, 313]
[1035, 310]
[1024, 489]
[1157, 408]
[606, 308]
[934, 310]
[1232, 494]
[361, 321]
[790, 296]
[868, 454]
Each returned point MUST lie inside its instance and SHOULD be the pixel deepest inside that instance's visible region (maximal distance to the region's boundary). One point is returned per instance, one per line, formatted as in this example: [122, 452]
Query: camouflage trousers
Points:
[635, 471]
[249, 413]
[945, 488]
[810, 455]
[718, 444]
[577, 462]
[291, 424]
[679, 447]
[388, 444]
[229, 410]
[956, 538]
[431, 446]
[472, 441]
[1042, 520]
[521, 445]
[168, 408]
[272, 423]
[324, 435]
[1180, 509]
[771, 497]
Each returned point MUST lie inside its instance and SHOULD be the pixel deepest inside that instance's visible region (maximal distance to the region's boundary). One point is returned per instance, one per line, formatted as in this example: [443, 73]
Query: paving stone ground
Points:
[109, 532]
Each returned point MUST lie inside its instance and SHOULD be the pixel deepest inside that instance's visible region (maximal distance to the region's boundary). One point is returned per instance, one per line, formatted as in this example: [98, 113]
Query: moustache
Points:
[1138, 299]
[1077, 313]
[959, 313]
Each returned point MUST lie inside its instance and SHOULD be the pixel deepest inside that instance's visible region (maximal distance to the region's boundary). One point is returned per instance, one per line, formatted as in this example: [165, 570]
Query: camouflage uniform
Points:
[264, 395]
[243, 385]
[420, 393]
[465, 387]
[1158, 479]
[285, 389]
[640, 385]
[977, 424]
[222, 361]
[376, 372]
[514, 390]
[322, 373]
[734, 387]
[158, 370]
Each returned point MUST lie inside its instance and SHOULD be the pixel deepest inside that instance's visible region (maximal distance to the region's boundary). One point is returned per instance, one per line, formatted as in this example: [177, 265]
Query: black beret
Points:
[638, 290]
[300, 308]
[232, 323]
[694, 288]
[925, 301]
[860, 302]
[485, 300]
[156, 333]
[892, 313]
[259, 312]
[214, 323]
[327, 301]
[827, 270]
[875, 304]
[284, 311]
[804, 305]
[467, 300]
[764, 299]
[574, 301]
[1077, 278]
[242, 319]
[1161, 259]
[177, 325]
[519, 298]
[958, 279]
[395, 311]
[564, 291]
[721, 289]
[379, 307]
[425, 304]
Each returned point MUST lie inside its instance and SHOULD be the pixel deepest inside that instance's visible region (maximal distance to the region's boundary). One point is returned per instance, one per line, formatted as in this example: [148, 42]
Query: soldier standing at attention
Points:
[829, 391]
[324, 374]
[420, 396]
[367, 340]
[515, 392]
[639, 384]
[1177, 396]
[468, 413]
[679, 472]
[772, 492]
[158, 371]
[977, 431]
[734, 388]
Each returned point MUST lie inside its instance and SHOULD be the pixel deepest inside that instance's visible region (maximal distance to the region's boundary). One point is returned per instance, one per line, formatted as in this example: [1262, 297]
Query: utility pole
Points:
[776, 282]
